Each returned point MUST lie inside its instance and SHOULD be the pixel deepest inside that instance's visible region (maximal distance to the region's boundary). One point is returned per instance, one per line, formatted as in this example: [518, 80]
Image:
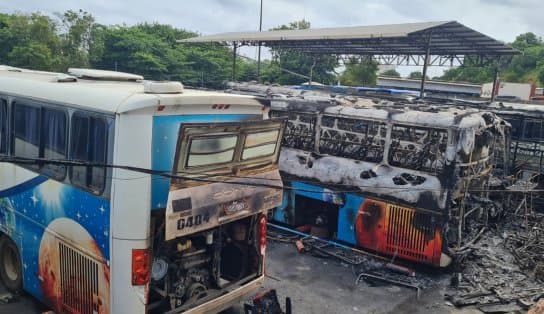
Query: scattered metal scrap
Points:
[503, 271]
[527, 245]
[376, 277]
[372, 268]
[6, 298]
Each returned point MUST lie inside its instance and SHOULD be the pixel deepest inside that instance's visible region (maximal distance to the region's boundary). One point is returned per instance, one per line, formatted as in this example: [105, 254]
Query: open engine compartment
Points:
[187, 271]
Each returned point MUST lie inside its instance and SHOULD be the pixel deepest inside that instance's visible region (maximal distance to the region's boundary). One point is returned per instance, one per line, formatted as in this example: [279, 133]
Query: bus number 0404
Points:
[193, 221]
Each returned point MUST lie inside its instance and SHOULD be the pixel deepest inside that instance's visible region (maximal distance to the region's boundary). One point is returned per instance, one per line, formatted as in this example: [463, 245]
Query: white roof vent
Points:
[104, 75]
[154, 87]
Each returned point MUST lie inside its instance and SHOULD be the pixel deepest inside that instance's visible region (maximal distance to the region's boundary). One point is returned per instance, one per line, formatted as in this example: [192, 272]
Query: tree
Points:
[76, 37]
[360, 72]
[522, 68]
[391, 73]
[286, 64]
[416, 75]
[31, 55]
[541, 74]
[30, 41]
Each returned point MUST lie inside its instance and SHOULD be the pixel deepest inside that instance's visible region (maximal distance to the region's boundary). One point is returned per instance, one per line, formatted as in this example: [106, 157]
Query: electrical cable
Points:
[206, 177]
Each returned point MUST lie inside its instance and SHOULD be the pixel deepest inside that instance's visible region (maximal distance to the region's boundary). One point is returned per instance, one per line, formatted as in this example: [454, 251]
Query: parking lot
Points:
[319, 285]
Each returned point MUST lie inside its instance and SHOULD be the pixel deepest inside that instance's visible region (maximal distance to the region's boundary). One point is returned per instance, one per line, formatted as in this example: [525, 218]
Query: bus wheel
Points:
[10, 265]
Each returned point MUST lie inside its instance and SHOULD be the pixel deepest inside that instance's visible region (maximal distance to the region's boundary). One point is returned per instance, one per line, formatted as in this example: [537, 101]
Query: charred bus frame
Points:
[389, 179]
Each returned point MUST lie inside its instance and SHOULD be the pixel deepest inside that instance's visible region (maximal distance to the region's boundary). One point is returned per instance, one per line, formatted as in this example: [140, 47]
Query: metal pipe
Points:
[260, 43]
[306, 235]
[425, 65]
[495, 89]
[234, 61]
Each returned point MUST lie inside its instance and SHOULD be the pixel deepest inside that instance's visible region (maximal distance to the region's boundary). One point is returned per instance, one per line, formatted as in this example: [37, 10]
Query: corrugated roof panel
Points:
[447, 38]
[352, 32]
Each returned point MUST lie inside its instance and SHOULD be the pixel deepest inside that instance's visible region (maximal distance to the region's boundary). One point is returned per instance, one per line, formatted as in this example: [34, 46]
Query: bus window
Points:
[26, 131]
[299, 132]
[532, 130]
[211, 151]
[418, 148]
[353, 138]
[260, 144]
[88, 144]
[517, 127]
[3, 126]
[54, 138]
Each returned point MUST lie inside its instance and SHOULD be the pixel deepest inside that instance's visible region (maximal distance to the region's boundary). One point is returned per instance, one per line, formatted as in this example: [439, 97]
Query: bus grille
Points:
[409, 232]
[79, 281]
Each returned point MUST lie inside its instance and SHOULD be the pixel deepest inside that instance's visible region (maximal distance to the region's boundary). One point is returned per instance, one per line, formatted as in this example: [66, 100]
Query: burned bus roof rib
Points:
[446, 38]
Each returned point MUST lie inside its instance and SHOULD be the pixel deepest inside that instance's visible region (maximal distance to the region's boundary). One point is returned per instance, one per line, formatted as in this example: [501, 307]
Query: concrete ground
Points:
[22, 304]
[317, 285]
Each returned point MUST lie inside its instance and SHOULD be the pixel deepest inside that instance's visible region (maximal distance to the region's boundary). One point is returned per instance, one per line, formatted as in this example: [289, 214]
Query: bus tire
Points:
[10, 265]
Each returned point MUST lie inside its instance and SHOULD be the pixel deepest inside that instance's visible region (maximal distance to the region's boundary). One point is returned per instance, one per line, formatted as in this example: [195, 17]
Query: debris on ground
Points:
[371, 277]
[502, 273]
[366, 266]
[6, 298]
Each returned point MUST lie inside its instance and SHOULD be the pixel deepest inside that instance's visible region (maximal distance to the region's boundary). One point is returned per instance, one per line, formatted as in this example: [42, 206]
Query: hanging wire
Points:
[217, 178]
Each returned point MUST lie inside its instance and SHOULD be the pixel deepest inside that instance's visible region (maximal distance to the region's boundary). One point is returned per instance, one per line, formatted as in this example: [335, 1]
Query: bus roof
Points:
[105, 95]
[384, 110]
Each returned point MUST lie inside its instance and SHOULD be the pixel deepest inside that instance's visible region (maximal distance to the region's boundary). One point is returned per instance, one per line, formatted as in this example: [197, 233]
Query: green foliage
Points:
[523, 68]
[32, 55]
[391, 73]
[40, 42]
[540, 74]
[286, 64]
[416, 75]
[77, 29]
[360, 72]
[74, 39]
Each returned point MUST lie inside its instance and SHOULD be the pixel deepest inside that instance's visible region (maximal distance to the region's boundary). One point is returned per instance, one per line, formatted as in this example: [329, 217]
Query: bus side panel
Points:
[64, 241]
[399, 231]
[371, 224]
[131, 217]
[347, 217]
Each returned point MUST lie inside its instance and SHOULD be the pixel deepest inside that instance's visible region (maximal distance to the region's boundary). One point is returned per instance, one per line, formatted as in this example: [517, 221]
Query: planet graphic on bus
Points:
[71, 269]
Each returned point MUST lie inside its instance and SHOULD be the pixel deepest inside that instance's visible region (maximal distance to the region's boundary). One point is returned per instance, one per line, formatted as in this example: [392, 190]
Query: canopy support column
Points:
[260, 44]
[234, 46]
[425, 65]
[495, 89]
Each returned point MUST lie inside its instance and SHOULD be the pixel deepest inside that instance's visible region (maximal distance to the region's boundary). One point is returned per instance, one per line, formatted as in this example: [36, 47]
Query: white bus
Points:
[119, 195]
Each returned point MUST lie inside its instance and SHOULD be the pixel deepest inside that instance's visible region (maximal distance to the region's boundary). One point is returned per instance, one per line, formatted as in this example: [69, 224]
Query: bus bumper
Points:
[227, 300]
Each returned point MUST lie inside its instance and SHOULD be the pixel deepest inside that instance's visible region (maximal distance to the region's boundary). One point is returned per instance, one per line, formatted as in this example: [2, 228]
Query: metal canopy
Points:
[431, 43]
[390, 44]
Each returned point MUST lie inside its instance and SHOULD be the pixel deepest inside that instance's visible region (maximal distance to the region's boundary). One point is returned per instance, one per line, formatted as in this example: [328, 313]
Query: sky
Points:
[500, 19]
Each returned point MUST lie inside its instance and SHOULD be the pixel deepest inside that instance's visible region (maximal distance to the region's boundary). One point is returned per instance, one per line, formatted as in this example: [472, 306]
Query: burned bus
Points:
[527, 141]
[405, 182]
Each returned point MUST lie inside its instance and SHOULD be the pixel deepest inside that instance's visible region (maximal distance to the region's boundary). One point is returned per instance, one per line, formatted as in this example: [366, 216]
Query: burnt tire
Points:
[10, 265]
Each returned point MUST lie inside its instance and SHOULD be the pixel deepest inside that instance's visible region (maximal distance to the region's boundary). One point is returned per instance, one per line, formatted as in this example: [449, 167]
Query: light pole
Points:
[259, 53]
